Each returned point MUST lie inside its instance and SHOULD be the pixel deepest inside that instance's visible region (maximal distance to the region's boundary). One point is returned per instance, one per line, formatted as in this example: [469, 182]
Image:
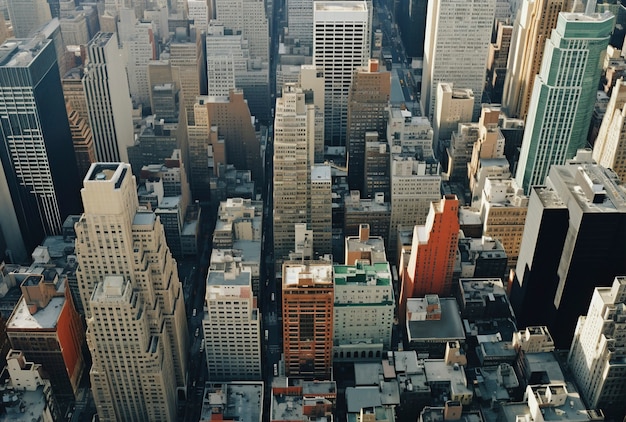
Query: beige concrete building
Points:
[294, 138]
[534, 23]
[535, 339]
[234, 353]
[453, 106]
[503, 210]
[320, 208]
[609, 149]
[115, 237]
[188, 58]
[312, 78]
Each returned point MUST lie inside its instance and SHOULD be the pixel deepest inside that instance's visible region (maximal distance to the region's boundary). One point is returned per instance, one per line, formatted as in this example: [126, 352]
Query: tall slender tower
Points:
[294, 139]
[533, 25]
[341, 43]
[456, 47]
[108, 99]
[563, 95]
[39, 178]
[596, 357]
[114, 237]
[367, 101]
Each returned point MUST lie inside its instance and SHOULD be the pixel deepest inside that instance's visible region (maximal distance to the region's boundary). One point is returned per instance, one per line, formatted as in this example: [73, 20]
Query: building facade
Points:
[114, 237]
[563, 95]
[341, 43]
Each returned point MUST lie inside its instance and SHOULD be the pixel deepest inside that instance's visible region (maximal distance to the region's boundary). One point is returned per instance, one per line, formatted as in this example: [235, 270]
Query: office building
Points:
[74, 28]
[232, 400]
[532, 27]
[596, 357]
[609, 149]
[123, 259]
[483, 299]
[364, 247]
[188, 58]
[311, 78]
[503, 208]
[248, 18]
[563, 95]
[454, 106]
[27, 15]
[300, 21]
[294, 135]
[363, 310]
[376, 167]
[46, 327]
[375, 211]
[235, 353]
[320, 216]
[307, 308]
[301, 400]
[572, 242]
[39, 178]
[341, 43]
[74, 92]
[433, 252]
[139, 47]
[82, 139]
[456, 47]
[198, 11]
[411, 18]
[108, 99]
[498, 59]
[367, 100]
[459, 152]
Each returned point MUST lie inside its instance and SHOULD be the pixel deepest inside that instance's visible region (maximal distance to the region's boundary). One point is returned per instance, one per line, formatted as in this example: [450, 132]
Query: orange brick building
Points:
[433, 253]
[308, 299]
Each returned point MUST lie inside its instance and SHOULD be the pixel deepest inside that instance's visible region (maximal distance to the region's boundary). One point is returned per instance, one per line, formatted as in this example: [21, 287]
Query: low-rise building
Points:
[232, 401]
[297, 400]
[483, 298]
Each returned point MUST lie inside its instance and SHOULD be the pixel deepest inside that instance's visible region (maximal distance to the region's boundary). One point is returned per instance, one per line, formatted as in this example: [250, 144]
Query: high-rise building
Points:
[188, 57]
[294, 138]
[533, 26]
[233, 354]
[498, 59]
[376, 167]
[124, 260]
[28, 15]
[367, 101]
[596, 358]
[341, 43]
[139, 46]
[311, 78]
[433, 253]
[82, 140]
[248, 18]
[563, 95]
[572, 242]
[308, 298]
[320, 207]
[39, 177]
[108, 99]
[456, 48]
[411, 18]
[454, 106]
[300, 21]
[609, 149]
[198, 11]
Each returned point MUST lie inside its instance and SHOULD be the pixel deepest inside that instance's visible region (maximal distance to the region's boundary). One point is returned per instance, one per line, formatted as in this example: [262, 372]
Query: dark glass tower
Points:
[39, 183]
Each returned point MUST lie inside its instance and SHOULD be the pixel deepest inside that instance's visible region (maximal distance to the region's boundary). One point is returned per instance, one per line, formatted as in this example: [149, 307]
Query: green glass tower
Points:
[563, 95]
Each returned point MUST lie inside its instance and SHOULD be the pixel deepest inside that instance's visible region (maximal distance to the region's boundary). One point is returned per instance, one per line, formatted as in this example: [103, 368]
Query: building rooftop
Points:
[112, 288]
[367, 373]
[321, 272]
[338, 6]
[43, 319]
[33, 402]
[21, 52]
[233, 401]
[320, 173]
[449, 326]
[231, 278]
[378, 274]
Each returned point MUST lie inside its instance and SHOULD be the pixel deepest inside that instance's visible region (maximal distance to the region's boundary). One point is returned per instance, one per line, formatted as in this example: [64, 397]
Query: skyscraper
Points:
[433, 253]
[28, 15]
[39, 178]
[596, 358]
[138, 346]
[300, 21]
[341, 43]
[367, 101]
[456, 48]
[233, 354]
[308, 318]
[294, 137]
[108, 99]
[609, 149]
[573, 241]
[563, 95]
[533, 26]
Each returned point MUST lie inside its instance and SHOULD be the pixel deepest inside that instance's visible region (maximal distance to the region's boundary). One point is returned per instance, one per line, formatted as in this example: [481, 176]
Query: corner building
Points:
[114, 237]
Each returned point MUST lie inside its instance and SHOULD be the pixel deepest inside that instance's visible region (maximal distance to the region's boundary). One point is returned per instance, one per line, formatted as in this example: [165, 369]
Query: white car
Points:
[195, 311]
[197, 332]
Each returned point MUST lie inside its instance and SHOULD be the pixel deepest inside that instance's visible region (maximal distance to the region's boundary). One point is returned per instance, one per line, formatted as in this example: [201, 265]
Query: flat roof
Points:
[366, 373]
[242, 400]
[320, 173]
[359, 397]
[144, 218]
[34, 402]
[220, 278]
[449, 326]
[21, 52]
[321, 272]
[337, 6]
[43, 319]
